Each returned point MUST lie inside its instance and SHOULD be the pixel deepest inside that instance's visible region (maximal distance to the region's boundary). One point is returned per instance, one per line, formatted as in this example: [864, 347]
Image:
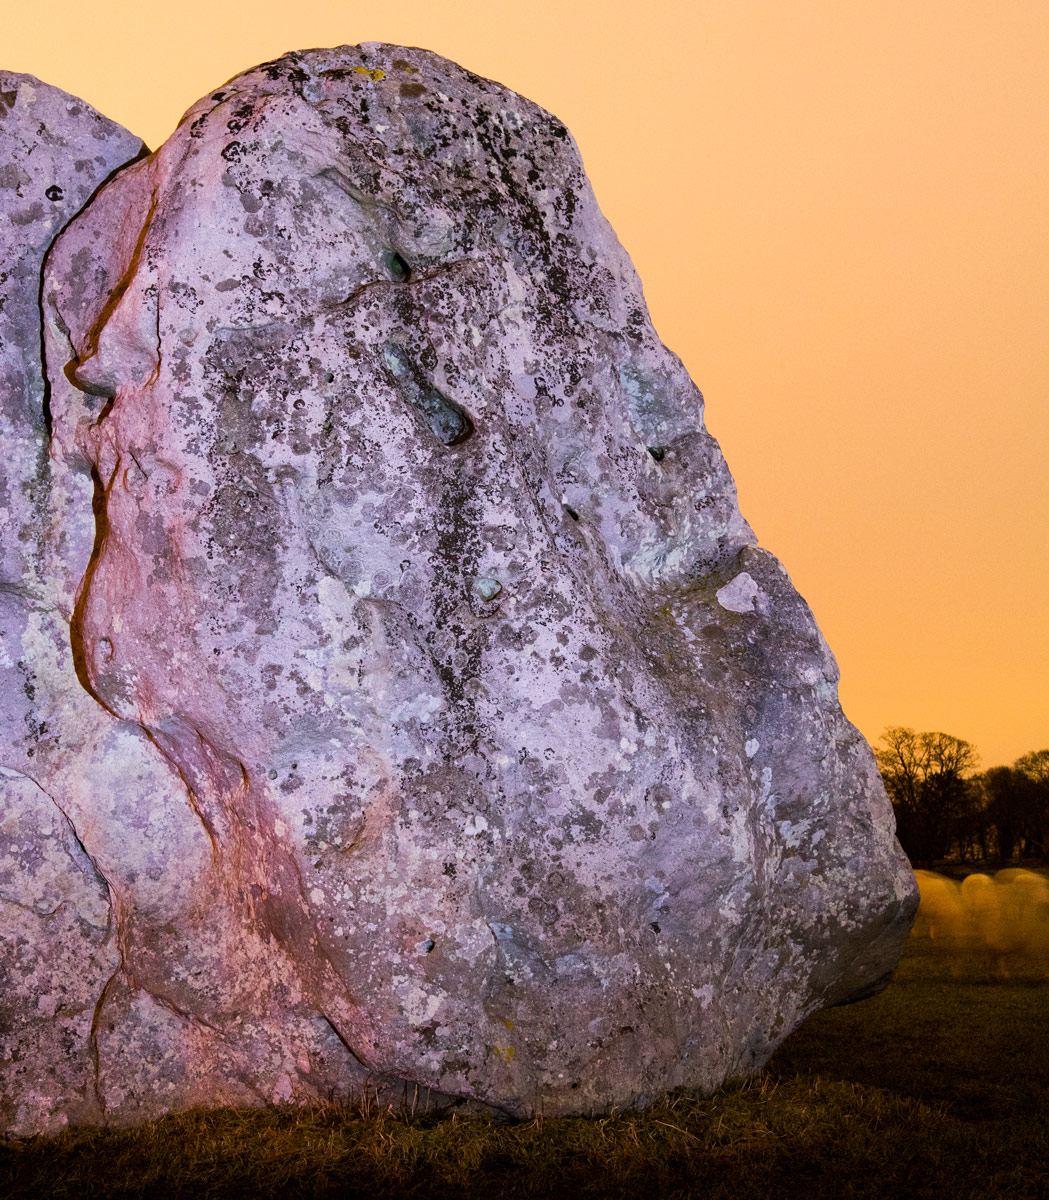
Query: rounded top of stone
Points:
[25, 98]
[435, 161]
[378, 92]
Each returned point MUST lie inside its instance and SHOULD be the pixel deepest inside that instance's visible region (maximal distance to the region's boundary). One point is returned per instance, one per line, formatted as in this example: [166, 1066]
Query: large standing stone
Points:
[103, 864]
[507, 763]
[58, 943]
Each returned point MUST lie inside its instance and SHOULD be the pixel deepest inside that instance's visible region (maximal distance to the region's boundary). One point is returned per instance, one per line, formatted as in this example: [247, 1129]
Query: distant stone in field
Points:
[1005, 915]
[475, 744]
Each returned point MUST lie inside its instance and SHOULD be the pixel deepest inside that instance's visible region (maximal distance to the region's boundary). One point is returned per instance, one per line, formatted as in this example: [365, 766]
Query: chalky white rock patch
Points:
[739, 594]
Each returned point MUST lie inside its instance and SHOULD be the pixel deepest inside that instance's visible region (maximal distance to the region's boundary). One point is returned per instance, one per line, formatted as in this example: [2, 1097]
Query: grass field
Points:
[938, 1087]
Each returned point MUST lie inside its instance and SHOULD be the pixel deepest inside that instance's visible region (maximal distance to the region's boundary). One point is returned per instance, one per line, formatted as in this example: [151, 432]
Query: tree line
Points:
[946, 809]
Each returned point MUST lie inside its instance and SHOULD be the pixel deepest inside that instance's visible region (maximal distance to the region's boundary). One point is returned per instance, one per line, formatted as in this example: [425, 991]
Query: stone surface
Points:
[456, 731]
[58, 942]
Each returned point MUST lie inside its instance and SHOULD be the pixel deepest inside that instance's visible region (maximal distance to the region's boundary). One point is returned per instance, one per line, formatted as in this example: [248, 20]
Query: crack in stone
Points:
[96, 1053]
[418, 277]
[31, 908]
[23, 592]
[345, 1043]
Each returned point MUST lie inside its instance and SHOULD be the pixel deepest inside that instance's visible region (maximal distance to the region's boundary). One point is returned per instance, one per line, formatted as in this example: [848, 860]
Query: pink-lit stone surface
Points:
[467, 737]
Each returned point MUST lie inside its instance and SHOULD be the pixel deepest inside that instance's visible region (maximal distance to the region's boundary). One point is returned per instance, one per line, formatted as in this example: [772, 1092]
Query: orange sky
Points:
[840, 213]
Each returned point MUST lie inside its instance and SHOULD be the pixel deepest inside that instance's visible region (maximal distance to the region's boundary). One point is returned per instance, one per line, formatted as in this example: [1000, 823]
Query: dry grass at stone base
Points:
[938, 1087]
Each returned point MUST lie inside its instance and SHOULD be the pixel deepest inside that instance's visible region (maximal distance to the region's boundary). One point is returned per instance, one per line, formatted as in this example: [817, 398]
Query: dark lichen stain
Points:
[412, 89]
[241, 117]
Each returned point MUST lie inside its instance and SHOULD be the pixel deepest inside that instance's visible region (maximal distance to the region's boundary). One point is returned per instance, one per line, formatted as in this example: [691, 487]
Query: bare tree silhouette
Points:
[926, 776]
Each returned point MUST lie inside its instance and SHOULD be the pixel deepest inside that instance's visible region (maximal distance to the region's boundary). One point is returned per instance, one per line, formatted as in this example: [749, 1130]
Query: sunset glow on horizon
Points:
[839, 216]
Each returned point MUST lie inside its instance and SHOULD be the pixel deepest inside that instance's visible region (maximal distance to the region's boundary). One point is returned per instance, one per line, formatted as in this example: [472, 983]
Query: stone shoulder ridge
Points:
[14, 83]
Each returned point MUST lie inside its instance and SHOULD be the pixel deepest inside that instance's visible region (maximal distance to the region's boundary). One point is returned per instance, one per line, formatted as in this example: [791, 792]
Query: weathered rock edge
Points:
[452, 727]
[58, 943]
